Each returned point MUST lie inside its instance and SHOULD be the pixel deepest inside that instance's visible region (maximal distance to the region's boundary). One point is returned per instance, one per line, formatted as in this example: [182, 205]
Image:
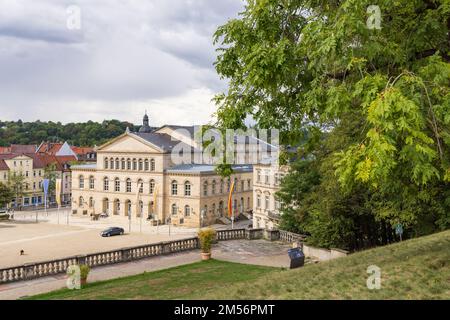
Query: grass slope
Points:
[193, 281]
[413, 269]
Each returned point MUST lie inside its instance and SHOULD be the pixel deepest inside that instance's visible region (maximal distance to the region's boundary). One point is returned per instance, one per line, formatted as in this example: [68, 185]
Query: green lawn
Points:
[414, 269]
[193, 281]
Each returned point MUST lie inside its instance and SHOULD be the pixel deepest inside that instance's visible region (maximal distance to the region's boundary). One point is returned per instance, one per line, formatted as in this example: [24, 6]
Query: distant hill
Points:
[79, 134]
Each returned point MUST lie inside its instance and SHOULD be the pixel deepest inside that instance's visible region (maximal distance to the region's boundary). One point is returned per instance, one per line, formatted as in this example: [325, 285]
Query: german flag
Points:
[230, 200]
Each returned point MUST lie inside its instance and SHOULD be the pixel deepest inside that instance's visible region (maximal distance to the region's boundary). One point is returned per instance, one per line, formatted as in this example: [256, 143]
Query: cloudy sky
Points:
[121, 58]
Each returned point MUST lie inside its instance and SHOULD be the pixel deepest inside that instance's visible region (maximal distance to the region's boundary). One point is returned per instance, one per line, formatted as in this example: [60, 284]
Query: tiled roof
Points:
[3, 165]
[205, 168]
[23, 148]
[161, 140]
[82, 150]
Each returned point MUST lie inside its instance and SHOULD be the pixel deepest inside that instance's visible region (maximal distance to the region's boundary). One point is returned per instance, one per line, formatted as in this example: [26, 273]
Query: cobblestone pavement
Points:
[258, 252]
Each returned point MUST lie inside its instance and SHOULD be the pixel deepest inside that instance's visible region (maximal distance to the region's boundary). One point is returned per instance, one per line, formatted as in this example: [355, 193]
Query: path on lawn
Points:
[258, 252]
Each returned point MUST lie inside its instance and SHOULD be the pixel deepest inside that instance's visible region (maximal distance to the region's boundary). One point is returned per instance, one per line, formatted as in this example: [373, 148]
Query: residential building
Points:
[266, 182]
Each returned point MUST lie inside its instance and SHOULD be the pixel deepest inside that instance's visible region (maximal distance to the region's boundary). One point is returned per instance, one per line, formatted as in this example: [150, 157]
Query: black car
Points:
[114, 231]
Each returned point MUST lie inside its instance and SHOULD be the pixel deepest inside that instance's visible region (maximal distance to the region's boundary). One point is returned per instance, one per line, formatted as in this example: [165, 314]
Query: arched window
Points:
[174, 188]
[267, 202]
[236, 184]
[242, 185]
[128, 185]
[221, 186]
[228, 185]
[80, 201]
[187, 188]
[91, 202]
[152, 165]
[258, 175]
[213, 208]
[258, 201]
[128, 164]
[81, 182]
[141, 186]
[117, 185]
[117, 164]
[174, 209]
[213, 187]
[249, 184]
[134, 164]
[91, 183]
[205, 188]
[140, 165]
[187, 211]
[146, 165]
[111, 163]
[105, 184]
[152, 186]
[123, 163]
[106, 163]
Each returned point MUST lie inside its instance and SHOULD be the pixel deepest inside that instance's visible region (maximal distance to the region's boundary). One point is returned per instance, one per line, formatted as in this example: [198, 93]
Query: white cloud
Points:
[129, 55]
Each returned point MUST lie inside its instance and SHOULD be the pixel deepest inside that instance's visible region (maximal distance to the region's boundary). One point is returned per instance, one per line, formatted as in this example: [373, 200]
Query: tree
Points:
[6, 195]
[51, 174]
[16, 183]
[317, 64]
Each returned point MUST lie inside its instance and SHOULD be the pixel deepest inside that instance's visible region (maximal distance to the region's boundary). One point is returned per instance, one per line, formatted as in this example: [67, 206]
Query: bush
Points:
[206, 237]
[84, 271]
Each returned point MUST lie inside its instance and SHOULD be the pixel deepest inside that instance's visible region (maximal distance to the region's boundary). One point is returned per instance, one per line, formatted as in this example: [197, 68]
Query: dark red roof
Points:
[49, 147]
[3, 165]
[23, 148]
[82, 150]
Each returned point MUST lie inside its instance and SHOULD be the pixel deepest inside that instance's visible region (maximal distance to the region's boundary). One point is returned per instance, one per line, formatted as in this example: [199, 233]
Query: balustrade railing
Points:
[49, 268]
[53, 267]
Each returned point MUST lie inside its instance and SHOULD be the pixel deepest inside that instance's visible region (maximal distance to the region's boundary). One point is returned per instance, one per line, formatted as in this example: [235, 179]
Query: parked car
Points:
[114, 231]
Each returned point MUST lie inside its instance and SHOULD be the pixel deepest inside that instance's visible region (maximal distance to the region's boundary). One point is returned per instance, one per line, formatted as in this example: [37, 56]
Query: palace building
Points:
[135, 174]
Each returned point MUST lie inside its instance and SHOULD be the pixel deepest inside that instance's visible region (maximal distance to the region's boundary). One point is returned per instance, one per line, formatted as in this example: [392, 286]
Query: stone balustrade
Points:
[49, 268]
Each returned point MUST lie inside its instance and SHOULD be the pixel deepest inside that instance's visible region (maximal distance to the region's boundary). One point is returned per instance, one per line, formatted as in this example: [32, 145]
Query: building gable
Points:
[128, 143]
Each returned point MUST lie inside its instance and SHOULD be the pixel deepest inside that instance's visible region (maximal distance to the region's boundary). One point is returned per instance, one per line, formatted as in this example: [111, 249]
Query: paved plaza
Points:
[48, 240]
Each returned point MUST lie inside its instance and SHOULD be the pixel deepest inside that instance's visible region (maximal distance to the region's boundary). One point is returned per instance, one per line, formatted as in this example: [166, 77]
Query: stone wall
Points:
[323, 254]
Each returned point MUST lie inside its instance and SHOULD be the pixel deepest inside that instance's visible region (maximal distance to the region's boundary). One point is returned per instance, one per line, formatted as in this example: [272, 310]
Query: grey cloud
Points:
[128, 52]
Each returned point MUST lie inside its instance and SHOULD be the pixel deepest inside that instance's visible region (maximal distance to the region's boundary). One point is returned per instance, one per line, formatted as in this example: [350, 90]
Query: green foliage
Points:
[84, 271]
[385, 93]
[16, 183]
[206, 237]
[6, 195]
[50, 174]
[79, 134]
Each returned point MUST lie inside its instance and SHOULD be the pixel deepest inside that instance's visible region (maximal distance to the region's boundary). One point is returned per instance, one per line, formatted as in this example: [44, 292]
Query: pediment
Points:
[128, 144]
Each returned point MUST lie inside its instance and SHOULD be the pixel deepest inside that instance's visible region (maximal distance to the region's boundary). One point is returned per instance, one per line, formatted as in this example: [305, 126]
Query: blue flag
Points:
[46, 183]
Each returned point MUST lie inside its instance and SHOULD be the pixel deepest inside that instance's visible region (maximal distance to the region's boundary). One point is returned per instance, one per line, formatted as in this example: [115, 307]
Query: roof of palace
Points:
[90, 166]
[161, 140]
[205, 168]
